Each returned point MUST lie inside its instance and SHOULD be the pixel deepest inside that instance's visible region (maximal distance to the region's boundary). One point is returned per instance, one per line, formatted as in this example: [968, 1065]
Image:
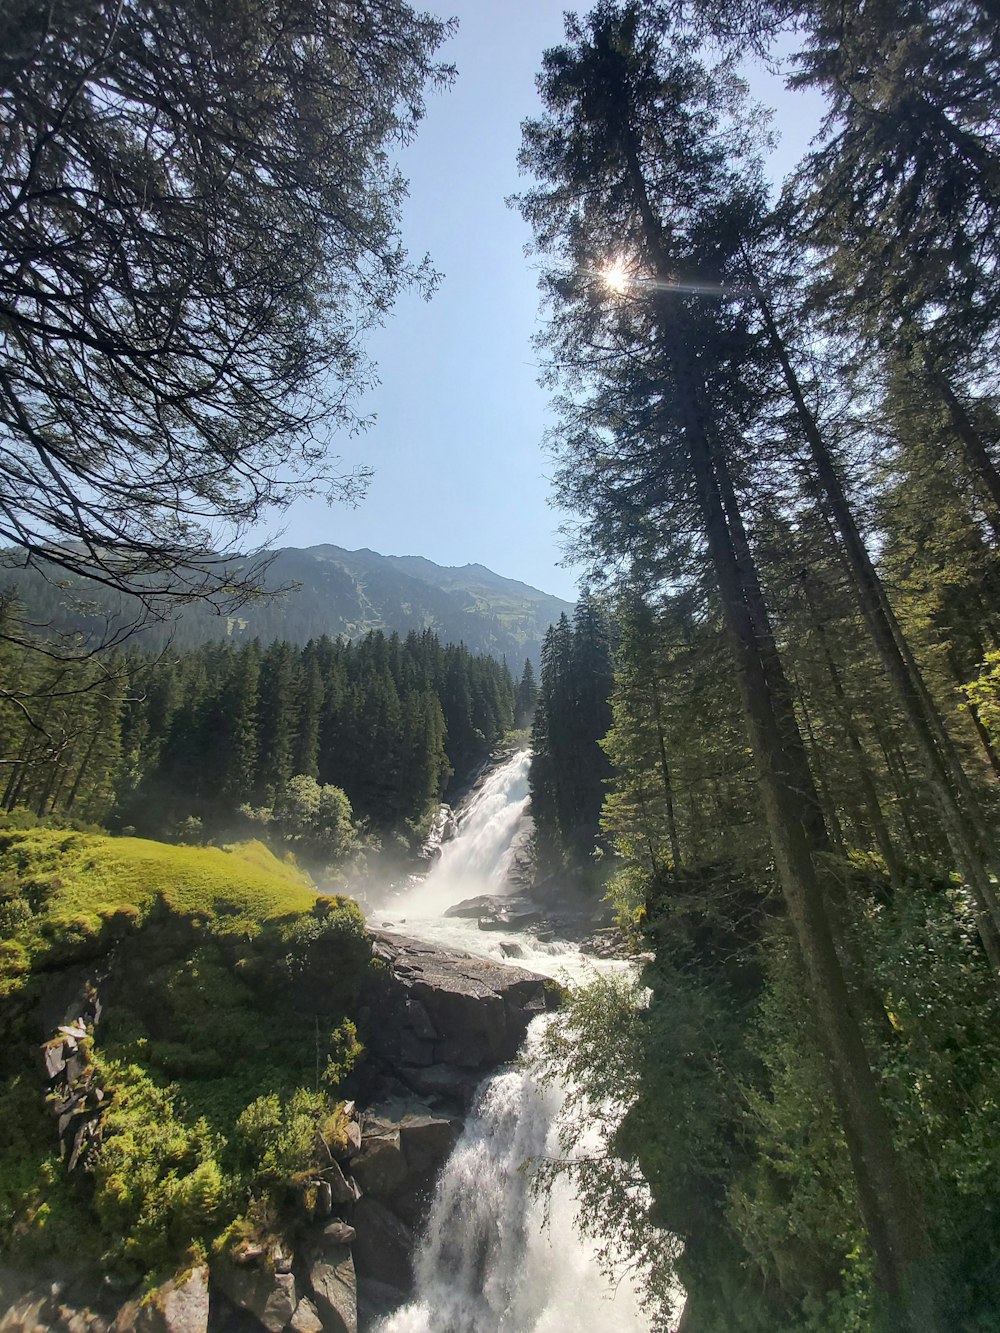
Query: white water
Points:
[476, 860]
[488, 1262]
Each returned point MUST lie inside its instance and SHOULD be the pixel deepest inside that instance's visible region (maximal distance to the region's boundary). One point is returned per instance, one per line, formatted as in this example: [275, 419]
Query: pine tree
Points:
[633, 156]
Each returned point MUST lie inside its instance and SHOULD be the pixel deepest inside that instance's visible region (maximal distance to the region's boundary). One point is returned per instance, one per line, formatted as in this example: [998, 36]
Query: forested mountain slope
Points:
[328, 591]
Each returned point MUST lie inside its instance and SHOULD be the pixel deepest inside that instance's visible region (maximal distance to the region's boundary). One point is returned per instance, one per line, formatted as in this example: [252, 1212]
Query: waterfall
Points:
[476, 860]
[489, 1261]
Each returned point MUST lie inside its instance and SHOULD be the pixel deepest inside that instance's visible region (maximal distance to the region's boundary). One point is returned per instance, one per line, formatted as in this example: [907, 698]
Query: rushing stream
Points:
[488, 1262]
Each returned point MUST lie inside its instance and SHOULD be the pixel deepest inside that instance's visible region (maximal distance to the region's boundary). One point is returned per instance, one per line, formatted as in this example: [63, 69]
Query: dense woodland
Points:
[773, 729]
[191, 743]
[778, 424]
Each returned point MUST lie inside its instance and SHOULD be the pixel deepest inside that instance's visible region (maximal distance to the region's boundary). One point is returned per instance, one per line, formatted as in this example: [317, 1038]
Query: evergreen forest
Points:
[217, 741]
[778, 424]
[764, 747]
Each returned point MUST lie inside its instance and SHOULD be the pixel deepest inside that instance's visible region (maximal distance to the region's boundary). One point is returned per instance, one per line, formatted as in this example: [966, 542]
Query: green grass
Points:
[61, 887]
[226, 980]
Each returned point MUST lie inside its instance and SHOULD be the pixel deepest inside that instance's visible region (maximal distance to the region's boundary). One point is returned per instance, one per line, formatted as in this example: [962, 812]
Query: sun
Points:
[616, 277]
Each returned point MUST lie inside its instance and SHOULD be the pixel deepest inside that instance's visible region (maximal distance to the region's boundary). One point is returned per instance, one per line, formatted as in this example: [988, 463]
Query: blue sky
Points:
[460, 473]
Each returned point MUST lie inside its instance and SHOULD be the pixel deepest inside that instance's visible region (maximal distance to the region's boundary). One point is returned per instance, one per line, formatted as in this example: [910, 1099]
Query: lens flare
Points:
[616, 277]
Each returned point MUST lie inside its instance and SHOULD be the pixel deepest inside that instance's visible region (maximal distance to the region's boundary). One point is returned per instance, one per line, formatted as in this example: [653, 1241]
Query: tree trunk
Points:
[668, 792]
[892, 1212]
[948, 782]
[981, 465]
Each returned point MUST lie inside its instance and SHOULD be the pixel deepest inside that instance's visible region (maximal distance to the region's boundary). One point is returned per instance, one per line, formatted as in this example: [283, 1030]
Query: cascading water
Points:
[478, 857]
[489, 1262]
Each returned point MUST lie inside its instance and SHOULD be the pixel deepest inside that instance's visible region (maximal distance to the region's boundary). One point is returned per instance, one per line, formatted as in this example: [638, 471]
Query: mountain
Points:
[331, 591]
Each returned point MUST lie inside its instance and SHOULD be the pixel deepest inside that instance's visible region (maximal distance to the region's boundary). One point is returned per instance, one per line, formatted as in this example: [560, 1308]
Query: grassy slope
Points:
[229, 986]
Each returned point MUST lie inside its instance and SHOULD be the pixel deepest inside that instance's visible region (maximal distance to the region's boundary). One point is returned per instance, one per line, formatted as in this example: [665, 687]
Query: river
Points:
[489, 1262]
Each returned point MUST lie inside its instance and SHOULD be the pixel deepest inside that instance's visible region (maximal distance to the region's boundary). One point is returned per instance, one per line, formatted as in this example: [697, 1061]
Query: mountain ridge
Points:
[331, 590]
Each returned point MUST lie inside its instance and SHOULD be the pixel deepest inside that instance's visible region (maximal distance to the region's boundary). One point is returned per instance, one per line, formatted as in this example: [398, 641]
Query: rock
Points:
[434, 1008]
[510, 950]
[334, 1287]
[340, 1187]
[178, 1306]
[55, 1061]
[454, 1086]
[545, 936]
[247, 1252]
[353, 1139]
[338, 1232]
[380, 1167]
[376, 1300]
[418, 1020]
[518, 920]
[486, 904]
[383, 1249]
[306, 1319]
[415, 1051]
[270, 1297]
[282, 1258]
[427, 1140]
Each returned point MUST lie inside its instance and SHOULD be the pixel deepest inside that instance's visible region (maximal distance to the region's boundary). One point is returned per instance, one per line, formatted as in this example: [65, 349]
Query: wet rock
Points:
[427, 1140]
[510, 950]
[334, 1287]
[178, 1306]
[486, 904]
[444, 1082]
[376, 1300]
[383, 1248]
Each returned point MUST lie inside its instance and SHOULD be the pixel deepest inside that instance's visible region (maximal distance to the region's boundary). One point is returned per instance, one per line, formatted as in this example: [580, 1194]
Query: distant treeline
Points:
[151, 743]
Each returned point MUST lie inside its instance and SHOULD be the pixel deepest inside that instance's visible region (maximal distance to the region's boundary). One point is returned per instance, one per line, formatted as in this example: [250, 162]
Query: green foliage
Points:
[571, 717]
[159, 1190]
[313, 821]
[983, 694]
[233, 989]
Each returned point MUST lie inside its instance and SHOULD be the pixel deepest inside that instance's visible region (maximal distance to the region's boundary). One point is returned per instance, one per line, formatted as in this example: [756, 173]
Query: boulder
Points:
[353, 1146]
[269, 1296]
[341, 1190]
[383, 1249]
[427, 1140]
[376, 1300]
[486, 904]
[380, 1167]
[334, 1287]
[437, 1011]
[338, 1232]
[178, 1306]
[306, 1318]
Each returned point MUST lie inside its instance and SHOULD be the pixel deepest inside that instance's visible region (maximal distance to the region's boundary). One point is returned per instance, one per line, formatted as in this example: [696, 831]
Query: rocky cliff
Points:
[341, 1256]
